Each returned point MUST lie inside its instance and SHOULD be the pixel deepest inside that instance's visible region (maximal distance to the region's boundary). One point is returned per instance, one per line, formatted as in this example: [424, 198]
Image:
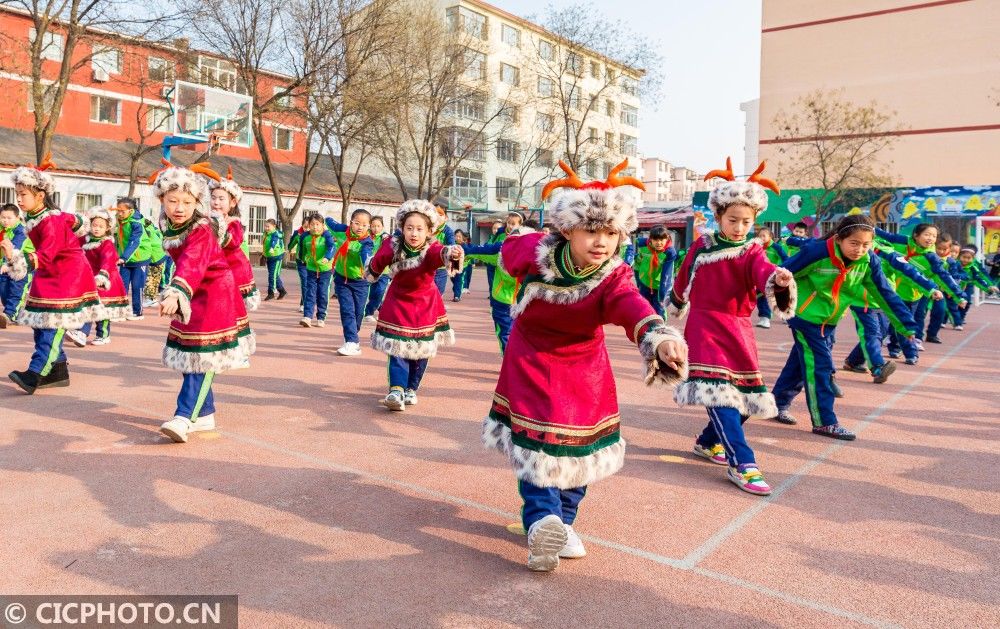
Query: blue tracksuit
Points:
[441, 275]
[500, 311]
[947, 305]
[352, 295]
[134, 273]
[666, 278]
[406, 373]
[763, 308]
[274, 282]
[14, 292]
[542, 501]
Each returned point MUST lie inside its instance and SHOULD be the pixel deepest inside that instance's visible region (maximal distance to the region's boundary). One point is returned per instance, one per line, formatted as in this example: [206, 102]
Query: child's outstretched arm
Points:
[776, 283]
[896, 239]
[335, 226]
[901, 264]
[108, 262]
[885, 295]
[944, 279]
[234, 235]
[379, 261]
[189, 271]
[678, 305]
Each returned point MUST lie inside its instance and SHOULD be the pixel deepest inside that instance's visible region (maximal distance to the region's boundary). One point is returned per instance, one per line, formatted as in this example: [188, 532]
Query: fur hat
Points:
[36, 177]
[420, 206]
[108, 215]
[191, 180]
[594, 205]
[750, 192]
[228, 185]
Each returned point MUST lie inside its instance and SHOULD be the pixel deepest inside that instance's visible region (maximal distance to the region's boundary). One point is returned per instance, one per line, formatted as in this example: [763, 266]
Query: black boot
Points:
[27, 380]
[281, 293]
[269, 297]
[58, 376]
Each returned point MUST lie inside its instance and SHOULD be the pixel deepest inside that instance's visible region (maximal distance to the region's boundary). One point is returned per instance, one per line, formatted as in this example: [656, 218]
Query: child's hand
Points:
[169, 306]
[456, 254]
[937, 295]
[7, 247]
[673, 354]
[963, 304]
[120, 261]
[783, 277]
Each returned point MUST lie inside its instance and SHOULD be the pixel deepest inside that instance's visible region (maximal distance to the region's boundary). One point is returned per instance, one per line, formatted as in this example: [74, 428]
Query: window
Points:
[462, 19]
[158, 69]
[510, 74]
[592, 134]
[511, 114]
[630, 115]
[107, 59]
[595, 69]
[574, 64]
[590, 167]
[462, 144]
[471, 107]
[52, 45]
[606, 169]
[475, 65]
[609, 108]
[573, 96]
[609, 140]
[506, 189]
[546, 50]
[610, 74]
[285, 101]
[220, 73]
[468, 185]
[158, 119]
[545, 122]
[104, 109]
[510, 35]
[889, 227]
[629, 86]
[508, 151]
[282, 139]
[255, 229]
[544, 158]
[629, 145]
[48, 98]
[8, 195]
[546, 87]
[85, 202]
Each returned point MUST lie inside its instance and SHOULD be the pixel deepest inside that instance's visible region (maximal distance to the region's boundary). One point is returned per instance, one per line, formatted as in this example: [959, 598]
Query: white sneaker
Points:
[302, 308]
[369, 319]
[149, 303]
[101, 340]
[574, 545]
[79, 338]
[959, 327]
[410, 397]
[318, 323]
[546, 539]
[763, 322]
[920, 345]
[134, 317]
[394, 401]
[205, 422]
[177, 429]
[305, 322]
[350, 349]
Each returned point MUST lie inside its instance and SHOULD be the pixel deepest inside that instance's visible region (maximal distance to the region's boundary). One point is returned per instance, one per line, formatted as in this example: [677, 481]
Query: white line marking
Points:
[712, 544]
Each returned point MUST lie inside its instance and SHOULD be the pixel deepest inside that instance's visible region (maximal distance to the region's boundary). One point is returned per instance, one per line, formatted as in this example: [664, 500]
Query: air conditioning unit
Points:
[100, 74]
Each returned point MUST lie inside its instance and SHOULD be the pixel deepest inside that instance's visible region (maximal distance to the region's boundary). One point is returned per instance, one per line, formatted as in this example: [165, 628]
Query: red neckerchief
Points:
[655, 262]
[344, 248]
[842, 270]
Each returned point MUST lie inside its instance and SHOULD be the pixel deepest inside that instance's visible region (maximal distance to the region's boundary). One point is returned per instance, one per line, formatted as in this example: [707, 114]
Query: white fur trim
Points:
[34, 178]
[114, 313]
[594, 209]
[772, 301]
[204, 362]
[656, 371]
[446, 259]
[544, 470]
[714, 395]
[729, 253]
[674, 311]
[106, 214]
[183, 303]
[738, 192]
[83, 228]
[420, 206]
[178, 178]
[229, 186]
[91, 243]
[178, 240]
[251, 301]
[17, 266]
[102, 280]
[401, 263]
[412, 350]
[60, 320]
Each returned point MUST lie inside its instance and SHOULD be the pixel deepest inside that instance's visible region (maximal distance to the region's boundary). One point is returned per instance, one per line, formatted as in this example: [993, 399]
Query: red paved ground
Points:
[318, 507]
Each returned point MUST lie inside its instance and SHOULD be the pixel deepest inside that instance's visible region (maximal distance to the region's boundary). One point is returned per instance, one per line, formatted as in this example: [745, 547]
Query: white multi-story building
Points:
[751, 110]
[518, 64]
[657, 175]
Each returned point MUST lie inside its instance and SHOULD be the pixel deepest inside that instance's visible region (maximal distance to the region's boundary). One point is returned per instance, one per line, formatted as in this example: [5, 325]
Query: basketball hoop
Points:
[216, 138]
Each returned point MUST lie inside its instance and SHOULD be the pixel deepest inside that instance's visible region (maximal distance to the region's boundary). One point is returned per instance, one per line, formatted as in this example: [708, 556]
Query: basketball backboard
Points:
[200, 111]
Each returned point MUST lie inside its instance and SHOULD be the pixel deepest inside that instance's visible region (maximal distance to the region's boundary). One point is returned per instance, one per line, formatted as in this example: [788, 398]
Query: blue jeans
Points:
[274, 282]
[352, 295]
[48, 351]
[899, 342]
[12, 294]
[134, 278]
[405, 373]
[502, 322]
[458, 285]
[441, 280]
[376, 294]
[652, 298]
[939, 310]
[542, 501]
[196, 398]
[103, 329]
[467, 275]
[872, 327]
[809, 366]
[303, 273]
[725, 426]
[316, 297]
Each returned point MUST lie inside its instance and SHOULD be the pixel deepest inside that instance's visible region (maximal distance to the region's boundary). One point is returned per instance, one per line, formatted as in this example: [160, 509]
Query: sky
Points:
[704, 44]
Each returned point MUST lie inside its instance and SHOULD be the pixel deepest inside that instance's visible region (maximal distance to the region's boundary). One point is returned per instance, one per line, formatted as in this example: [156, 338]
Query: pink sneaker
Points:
[749, 479]
[716, 454]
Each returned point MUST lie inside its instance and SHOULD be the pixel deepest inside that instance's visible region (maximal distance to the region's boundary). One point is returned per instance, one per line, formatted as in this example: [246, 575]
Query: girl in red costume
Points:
[555, 410]
[226, 197]
[99, 247]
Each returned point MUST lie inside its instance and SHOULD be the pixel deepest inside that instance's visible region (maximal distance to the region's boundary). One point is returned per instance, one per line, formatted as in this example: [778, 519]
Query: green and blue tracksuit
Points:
[445, 236]
[654, 273]
[351, 287]
[13, 293]
[376, 292]
[133, 246]
[975, 276]
[776, 253]
[273, 249]
[318, 254]
[827, 285]
[498, 237]
[947, 307]
[503, 292]
[297, 245]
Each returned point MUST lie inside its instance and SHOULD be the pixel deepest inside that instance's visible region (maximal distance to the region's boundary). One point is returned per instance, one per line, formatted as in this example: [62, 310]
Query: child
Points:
[975, 276]
[157, 263]
[555, 410]
[354, 250]
[377, 292]
[226, 196]
[446, 236]
[776, 255]
[209, 328]
[133, 253]
[498, 234]
[458, 281]
[99, 247]
[12, 292]
[317, 249]
[273, 250]
[718, 282]
[63, 295]
[504, 287]
[297, 246]
[947, 306]
[918, 251]
[654, 267]
[412, 321]
[833, 274]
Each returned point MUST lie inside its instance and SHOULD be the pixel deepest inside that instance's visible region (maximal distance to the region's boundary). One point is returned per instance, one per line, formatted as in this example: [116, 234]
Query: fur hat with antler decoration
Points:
[594, 205]
[750, 192]
[36, 177]
[190, 180]
[227, 184]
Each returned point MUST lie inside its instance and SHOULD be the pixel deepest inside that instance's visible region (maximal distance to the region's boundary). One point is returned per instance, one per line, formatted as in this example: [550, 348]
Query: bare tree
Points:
[832, 146]
[149, 119]
[70, 33]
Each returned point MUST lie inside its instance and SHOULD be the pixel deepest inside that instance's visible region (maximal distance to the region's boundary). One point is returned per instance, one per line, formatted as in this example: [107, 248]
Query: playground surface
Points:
[319, 507]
